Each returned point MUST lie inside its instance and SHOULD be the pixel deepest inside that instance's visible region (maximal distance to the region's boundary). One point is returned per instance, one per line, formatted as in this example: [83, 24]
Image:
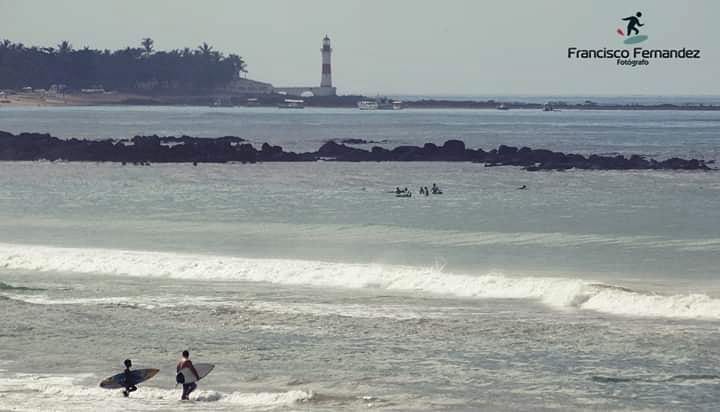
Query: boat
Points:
[386, 104]
[503, 107]
[380, 103]
[547, 107]
[292, 104]
[367, 105]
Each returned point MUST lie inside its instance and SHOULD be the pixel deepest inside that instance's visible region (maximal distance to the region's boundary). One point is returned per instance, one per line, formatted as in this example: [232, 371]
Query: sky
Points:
[403, 47]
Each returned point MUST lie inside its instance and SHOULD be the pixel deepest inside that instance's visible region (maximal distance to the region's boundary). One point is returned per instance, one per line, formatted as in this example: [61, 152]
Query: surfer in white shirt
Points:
[185, 362]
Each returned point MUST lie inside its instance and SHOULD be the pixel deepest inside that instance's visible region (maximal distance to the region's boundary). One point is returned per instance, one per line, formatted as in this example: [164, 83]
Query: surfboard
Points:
[186, 376]
[136, 376]
[636, 39]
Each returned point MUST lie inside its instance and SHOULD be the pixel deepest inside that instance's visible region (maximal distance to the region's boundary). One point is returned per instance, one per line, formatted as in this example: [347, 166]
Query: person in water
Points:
[427, 192]
[523, 187]
[185, 362]
[397, 190]
[128, 378]
[632, 22]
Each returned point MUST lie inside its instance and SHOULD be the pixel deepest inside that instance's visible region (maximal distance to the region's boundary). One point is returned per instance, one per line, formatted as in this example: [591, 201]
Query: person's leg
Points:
[192, 386]
[185, 391]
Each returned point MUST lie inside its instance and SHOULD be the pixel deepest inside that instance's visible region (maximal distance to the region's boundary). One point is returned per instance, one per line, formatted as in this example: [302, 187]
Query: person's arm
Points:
[626, 19]
[640, 24]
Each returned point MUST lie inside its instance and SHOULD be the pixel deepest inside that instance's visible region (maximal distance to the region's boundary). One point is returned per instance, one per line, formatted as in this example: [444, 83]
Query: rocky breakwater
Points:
[156, 149]
[140, 149]
[530, 159]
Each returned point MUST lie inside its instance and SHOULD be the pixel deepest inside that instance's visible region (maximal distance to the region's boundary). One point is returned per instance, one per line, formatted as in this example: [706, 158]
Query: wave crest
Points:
[553, 291]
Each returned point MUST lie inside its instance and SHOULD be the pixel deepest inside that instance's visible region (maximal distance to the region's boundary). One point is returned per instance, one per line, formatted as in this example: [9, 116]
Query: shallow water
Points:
[312, 288]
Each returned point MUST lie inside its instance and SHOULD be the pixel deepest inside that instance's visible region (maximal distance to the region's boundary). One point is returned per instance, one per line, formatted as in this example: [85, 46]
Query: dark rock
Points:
[453, 149]
[337, 151]
[507, 150]
[142, 150]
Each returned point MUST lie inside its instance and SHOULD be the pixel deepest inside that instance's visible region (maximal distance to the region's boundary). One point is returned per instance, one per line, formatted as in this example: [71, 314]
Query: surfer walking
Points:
[632, 22]
[128, 378]
[185, 362]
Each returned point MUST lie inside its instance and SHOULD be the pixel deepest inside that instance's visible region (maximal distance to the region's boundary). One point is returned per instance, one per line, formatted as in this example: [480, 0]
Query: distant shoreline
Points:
[39, 99]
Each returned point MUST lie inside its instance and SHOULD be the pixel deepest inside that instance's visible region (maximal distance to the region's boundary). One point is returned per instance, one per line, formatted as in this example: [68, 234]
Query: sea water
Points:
[311, 287]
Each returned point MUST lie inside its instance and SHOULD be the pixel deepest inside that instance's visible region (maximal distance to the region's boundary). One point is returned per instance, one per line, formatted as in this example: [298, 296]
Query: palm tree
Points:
[238, 64]
[201, 67]
[64, 47]
[147, 44]
[205, 49]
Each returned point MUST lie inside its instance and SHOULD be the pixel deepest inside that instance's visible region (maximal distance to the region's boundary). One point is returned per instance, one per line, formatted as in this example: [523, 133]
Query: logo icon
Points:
[632, 26]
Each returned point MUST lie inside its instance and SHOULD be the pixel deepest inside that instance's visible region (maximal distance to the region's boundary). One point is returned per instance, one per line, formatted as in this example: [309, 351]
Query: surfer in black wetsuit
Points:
[632, 22]
[128, 378]
[185, 362]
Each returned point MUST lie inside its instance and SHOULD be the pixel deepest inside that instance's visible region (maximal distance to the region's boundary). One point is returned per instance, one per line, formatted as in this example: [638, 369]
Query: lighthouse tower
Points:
[326, 87]
[326, 79]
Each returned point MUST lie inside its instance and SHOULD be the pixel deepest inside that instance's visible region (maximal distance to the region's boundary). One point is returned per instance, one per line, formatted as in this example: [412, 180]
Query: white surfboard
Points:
[203, 369]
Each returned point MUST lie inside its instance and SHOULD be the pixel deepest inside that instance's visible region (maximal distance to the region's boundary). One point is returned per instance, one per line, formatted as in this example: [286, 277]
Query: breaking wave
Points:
[553, 291]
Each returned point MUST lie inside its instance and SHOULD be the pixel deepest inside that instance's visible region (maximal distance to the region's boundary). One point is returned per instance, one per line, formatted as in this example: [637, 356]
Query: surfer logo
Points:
[632, 26]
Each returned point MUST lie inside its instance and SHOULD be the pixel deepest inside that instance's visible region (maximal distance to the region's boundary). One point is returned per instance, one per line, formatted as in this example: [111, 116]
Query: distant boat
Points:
[503, 107]
[380, 103]
[367, 105]
[547, 107]
[292, 104]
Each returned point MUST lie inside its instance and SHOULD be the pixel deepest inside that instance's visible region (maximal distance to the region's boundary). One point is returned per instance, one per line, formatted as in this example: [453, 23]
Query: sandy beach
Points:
[38, 98]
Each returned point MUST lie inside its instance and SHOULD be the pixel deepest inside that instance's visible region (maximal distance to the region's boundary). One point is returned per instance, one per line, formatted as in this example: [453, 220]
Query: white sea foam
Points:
[291, 308]
[25, 392]
[556, 292]
[143, 302]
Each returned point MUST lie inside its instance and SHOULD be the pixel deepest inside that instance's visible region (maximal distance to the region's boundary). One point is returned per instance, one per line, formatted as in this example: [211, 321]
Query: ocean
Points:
[311, 287]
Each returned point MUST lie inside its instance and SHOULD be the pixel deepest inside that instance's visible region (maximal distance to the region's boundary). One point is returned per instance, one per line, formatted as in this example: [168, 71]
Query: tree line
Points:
[130, 68]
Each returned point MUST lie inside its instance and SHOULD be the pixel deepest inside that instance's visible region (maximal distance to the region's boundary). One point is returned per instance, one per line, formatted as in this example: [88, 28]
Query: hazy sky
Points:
[402, 46]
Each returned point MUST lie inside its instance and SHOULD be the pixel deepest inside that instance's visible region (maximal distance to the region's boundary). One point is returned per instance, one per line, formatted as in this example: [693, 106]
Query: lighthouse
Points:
[326, 87]
[326, 51]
